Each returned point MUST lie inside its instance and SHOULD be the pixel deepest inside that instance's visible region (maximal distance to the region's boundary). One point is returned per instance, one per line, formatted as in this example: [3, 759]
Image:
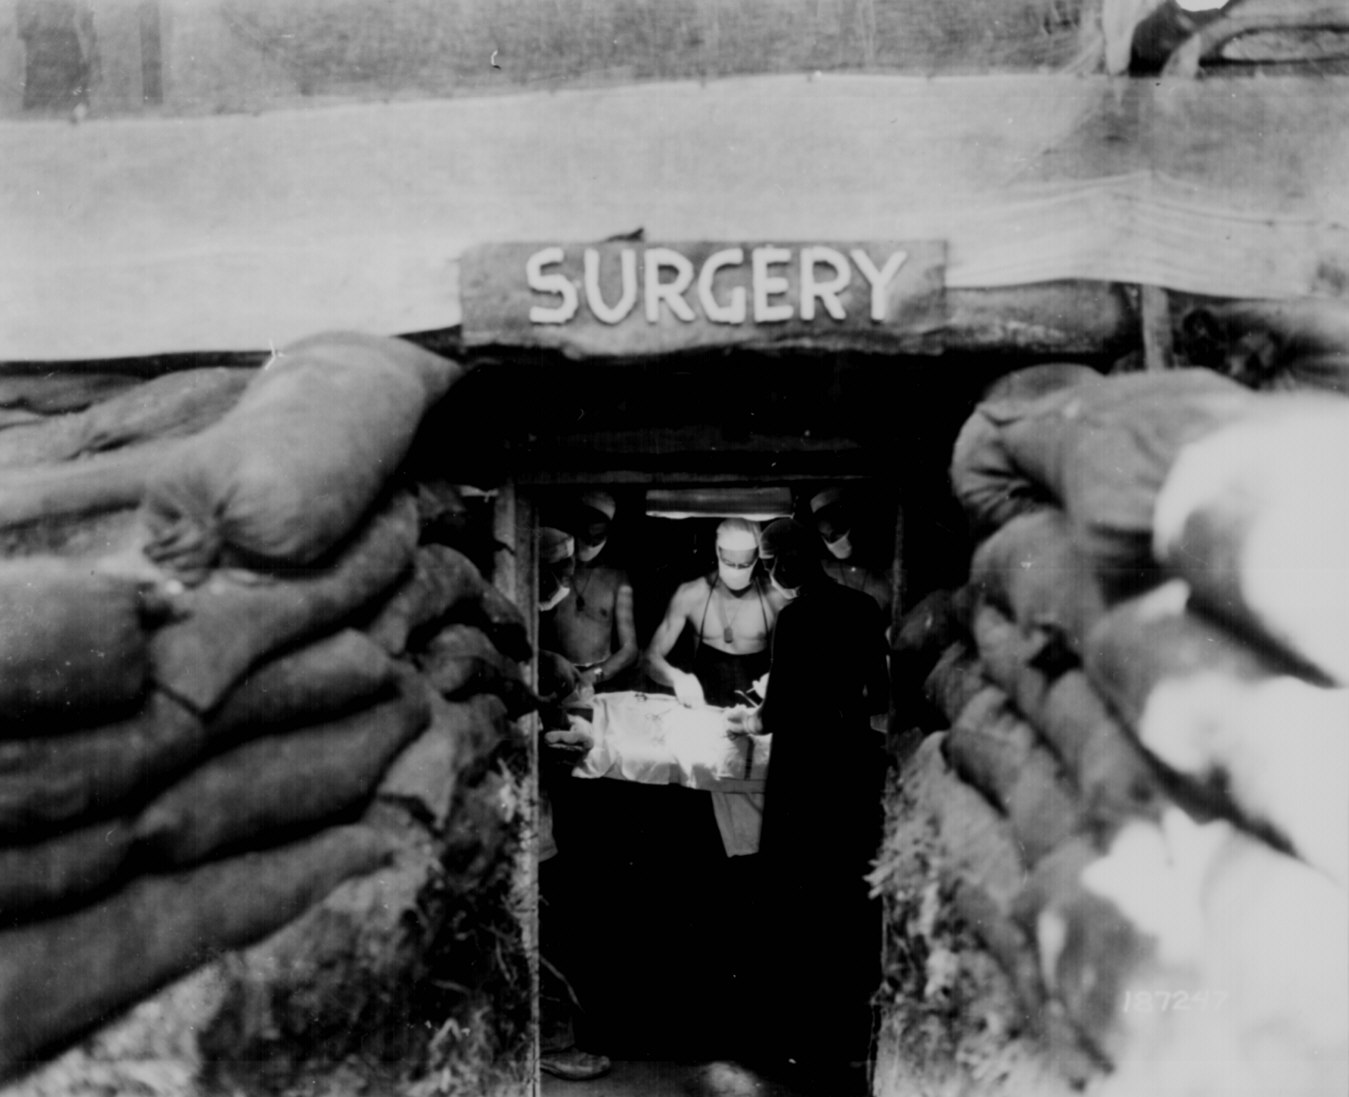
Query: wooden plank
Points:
[515, 574]
[1155, 309]
[1063, 317]
[630, 298]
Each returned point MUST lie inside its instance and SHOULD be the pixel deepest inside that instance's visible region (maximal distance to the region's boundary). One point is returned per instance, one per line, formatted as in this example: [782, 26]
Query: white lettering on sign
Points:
[669, 292]
[879, 279]
[627, 295]
[826, 292]
[734, 312]
[550, 283]
[824, 277]
[768, 285]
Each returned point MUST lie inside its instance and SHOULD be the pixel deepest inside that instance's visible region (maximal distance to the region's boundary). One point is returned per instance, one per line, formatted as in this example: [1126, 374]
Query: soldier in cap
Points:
[834, 522]
[559, 1054]
[594, 627]
[731, 612]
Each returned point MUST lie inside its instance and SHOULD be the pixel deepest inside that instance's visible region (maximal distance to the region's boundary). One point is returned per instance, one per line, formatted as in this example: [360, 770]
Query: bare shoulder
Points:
[690, 596]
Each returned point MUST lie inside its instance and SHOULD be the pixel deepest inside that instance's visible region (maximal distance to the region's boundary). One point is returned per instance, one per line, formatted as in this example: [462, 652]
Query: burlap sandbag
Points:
[995, 750]
[1100, 755]
[281, 783]
[1032, 570]
[61, 977]
[425, 776]
[329, 677]
[72, 643]
[934, 624]
[174, 405]
[75, 536]
[1101, 451]
[289, 472]
[52, 392]
[446, 586]
[1273, 747]
[955, 680]
[39, 877]
[1255, 518]
[460, 660]
[53, 780]
[1273, 344]
[102, 482]
[1091, 950]
[984, 476]
[229, 624]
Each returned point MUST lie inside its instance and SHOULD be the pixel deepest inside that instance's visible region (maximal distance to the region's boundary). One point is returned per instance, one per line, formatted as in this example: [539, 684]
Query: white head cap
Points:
[824, 499]
[601, 501]
[737, 535]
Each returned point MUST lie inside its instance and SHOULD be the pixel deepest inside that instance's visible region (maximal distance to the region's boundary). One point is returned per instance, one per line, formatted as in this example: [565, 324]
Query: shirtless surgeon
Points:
[593, 626]
[731, 613]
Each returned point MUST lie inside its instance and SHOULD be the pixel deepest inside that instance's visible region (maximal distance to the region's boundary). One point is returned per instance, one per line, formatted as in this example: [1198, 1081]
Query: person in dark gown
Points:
[822, 816]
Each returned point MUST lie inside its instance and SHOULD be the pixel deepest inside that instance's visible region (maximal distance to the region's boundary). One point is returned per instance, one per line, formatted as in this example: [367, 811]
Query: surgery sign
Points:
[628, 298]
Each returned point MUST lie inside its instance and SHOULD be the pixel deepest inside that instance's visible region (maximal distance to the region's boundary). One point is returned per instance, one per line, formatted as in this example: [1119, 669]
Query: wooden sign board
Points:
[625, 299]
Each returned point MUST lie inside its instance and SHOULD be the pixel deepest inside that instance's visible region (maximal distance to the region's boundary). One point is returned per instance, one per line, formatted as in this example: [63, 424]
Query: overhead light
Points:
[755, 503]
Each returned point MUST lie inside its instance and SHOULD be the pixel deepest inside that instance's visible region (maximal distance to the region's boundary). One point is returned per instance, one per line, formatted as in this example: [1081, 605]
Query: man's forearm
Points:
[618, 662]
[660, 669]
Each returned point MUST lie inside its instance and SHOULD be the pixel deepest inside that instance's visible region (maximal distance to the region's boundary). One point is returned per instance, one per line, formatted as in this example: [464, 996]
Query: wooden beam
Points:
[1058, 318]
[515, 574]
[1155, 308]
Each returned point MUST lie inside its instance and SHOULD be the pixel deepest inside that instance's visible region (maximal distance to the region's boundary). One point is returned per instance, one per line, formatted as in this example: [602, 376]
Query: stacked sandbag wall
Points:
[257, 731]
[1118, 858]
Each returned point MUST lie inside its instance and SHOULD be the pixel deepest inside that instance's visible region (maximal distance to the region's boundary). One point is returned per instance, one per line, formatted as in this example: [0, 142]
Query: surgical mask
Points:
[585, 553]
[735, 578]
[788, 594]
[558, 595]
[841, 548]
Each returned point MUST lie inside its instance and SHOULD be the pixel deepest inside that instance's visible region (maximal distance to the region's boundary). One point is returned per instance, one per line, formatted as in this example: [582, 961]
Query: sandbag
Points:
[1256, 519]
[229, 625]
[461, 660]
[72, 643]
[983, 475]
[329, 677]
[174, 405]
[77, 536]
[424, 778]
[102, 482]
[1273, 345]
[1091, 951]
[53, 780]
[1101, 756]
[290, 470]
[1196, 955]
[937, 621]
[447, 586]
[1032, 570]
[62, 976]
[443, 513]
[993, 749]
[276, 784]
[976, 843]
[12, 417]
[53, 872]
[1100, 450]
[1219, 713]
[956, 679]
[60, 391]
[1032, 382]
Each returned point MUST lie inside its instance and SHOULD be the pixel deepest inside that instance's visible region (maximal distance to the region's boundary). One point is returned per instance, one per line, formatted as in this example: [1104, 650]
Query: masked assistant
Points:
[737, 552]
